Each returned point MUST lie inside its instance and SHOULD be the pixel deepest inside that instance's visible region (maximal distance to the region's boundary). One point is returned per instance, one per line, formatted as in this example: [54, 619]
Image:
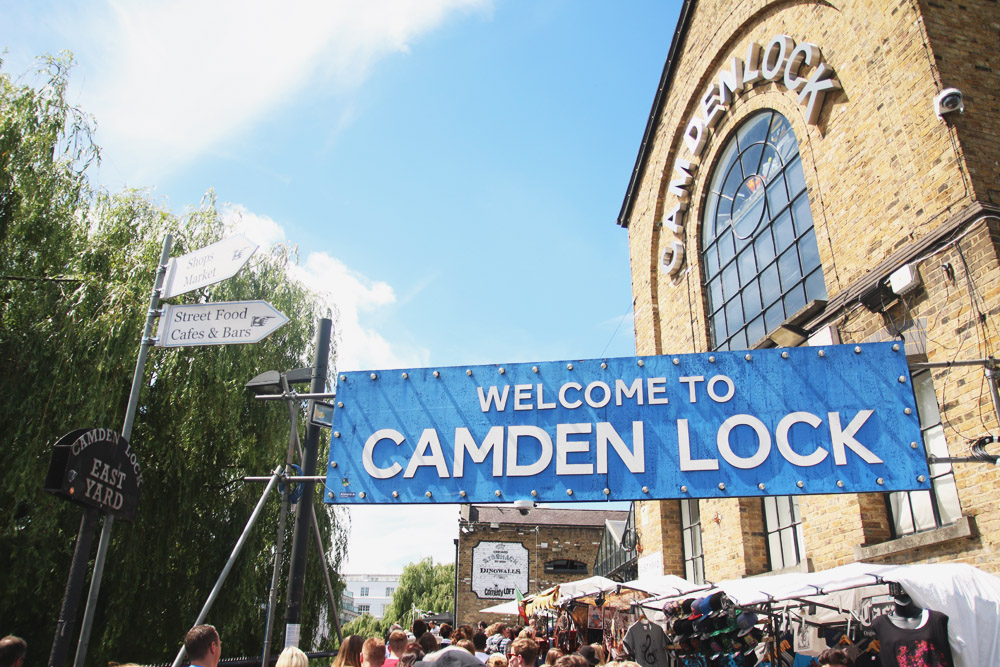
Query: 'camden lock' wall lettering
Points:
[780, 61]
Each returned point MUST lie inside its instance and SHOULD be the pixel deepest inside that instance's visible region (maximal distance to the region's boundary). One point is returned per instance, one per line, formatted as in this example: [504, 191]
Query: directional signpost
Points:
[200, 324]
[223, 323]
[207, 266]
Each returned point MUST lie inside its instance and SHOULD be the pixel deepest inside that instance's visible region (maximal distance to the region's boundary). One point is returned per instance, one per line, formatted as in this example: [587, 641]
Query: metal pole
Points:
[133, 403]
[991, 373]
[74, 588]
[279, 549]
[232, 559]
[326, 575]
[300, 531]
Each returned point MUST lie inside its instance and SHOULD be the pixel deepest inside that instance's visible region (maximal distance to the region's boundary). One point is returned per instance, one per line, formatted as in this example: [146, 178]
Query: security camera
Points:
[947, 101]
[524, 506]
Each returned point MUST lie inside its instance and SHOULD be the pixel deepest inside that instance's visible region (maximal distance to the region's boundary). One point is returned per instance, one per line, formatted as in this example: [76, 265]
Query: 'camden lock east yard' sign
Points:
[767, 422]
[95, 467]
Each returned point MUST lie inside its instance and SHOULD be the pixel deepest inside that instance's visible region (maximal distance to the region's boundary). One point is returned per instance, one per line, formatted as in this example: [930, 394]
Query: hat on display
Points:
[683, 627]
[671, 608]
[716, 604]
[686, 606]
[746, 622]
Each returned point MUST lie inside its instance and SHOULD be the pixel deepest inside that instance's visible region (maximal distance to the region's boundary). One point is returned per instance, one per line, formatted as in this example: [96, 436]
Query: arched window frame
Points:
[760, 258]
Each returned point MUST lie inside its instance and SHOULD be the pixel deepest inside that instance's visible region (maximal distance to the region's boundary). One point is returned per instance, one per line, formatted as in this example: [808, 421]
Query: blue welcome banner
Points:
[812, 420]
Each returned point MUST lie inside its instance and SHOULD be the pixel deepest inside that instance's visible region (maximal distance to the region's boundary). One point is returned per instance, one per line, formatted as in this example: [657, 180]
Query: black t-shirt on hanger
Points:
[923, 646]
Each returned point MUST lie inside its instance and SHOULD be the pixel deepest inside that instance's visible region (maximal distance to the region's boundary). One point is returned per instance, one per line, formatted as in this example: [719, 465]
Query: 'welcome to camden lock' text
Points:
[589, 443]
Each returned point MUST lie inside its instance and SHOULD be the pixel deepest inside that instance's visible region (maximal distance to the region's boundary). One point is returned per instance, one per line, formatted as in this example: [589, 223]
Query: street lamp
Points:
[271, 383]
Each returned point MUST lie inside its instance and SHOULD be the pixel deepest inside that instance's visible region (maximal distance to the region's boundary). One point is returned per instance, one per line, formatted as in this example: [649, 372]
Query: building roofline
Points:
[683, 22]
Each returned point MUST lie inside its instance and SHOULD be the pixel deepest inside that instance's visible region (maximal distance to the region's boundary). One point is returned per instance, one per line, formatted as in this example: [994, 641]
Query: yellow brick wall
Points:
[882, 171]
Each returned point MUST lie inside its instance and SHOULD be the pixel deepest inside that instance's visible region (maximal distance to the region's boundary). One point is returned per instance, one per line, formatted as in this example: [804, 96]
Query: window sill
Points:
[961, 529]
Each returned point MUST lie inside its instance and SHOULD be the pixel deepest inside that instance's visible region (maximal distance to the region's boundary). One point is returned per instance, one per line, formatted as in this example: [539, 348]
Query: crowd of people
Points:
[497, 645]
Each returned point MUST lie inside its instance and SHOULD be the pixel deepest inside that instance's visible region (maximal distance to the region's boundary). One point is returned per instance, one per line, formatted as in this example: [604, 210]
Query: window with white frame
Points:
[389, 590]
[783, 527]
[364, 609]
[694, 555]
[364, 592]
[919, 511]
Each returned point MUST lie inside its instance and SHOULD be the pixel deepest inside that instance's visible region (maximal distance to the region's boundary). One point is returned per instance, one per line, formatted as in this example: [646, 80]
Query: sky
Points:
[450, 170]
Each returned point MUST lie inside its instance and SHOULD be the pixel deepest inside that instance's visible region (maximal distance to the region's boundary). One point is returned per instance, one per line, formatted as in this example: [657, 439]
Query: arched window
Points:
[758, 245]
[565, 566]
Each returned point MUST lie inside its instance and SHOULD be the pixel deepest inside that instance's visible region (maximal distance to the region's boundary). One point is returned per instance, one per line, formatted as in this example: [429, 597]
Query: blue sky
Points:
[451, 170]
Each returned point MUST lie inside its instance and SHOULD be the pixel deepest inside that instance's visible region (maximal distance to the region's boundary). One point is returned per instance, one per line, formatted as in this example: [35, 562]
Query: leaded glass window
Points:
[758, 244]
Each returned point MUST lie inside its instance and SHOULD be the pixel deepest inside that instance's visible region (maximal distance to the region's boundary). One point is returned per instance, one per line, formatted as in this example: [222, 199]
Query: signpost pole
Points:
[133, 404]
[74, 588]
[301, 529]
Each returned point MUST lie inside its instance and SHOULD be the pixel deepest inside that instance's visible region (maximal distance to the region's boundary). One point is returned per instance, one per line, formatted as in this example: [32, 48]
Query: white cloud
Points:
[385, 538]
[348, 292]
[170, 80]
[260, 229]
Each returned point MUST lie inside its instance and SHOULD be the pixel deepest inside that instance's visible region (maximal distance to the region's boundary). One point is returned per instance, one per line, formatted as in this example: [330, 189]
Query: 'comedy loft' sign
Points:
[498, 568]
[839, 419]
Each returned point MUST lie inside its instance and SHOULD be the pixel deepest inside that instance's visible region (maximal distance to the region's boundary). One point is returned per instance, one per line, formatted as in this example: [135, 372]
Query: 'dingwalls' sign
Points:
[838, 419]
[499, 570]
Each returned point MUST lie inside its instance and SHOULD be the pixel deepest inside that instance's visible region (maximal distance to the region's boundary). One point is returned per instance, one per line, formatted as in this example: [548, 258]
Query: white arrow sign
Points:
[222, 323]
[211, 264]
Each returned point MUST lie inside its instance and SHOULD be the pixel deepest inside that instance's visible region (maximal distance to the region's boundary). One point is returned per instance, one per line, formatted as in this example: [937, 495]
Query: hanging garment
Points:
[923, 646]
[648, 643]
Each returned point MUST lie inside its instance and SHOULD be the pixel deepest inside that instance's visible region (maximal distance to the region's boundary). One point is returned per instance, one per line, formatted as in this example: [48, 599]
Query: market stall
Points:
[781, 617]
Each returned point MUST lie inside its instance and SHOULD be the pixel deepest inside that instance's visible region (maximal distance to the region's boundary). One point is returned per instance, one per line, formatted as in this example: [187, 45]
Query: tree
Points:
[424, 585]
[76, 268]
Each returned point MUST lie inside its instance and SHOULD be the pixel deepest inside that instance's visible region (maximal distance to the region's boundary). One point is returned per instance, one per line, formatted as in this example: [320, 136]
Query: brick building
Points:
[501, 548]
[807, 178]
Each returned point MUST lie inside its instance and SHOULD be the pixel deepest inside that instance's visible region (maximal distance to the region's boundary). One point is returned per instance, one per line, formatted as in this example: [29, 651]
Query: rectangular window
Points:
[694, 556]
[783, 526]
[364, 591]
[364, 608]
[917, 511]
[389, 590]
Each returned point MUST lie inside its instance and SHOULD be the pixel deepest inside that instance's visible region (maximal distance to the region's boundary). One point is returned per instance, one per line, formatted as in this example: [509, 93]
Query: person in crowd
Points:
[552, 655]
[349, 654]
[373, 652]
[572, 660]
[494, 634]
[292, 656]
[444, 634]
[479, 641]
[419, 628]
[12, 651]
[203, 646]
[523, 652]
[397, 646]
[428, 643]
[834, 657]
[589, 654]
[467, 630]
[496, 660]
[411, 655]
[599, 651]
[467, 645]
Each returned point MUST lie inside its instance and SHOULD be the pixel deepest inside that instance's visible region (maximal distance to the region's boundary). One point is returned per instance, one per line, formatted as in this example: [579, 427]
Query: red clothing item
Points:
[390, 662]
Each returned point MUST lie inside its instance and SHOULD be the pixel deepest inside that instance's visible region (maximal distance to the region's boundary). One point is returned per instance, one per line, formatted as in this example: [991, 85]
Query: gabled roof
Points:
[683, 22]
[544, 516]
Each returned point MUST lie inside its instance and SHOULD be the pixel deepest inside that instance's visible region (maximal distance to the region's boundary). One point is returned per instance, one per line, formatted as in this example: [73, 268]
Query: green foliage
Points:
[366, 626]
[76, 270]
[426, 585]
